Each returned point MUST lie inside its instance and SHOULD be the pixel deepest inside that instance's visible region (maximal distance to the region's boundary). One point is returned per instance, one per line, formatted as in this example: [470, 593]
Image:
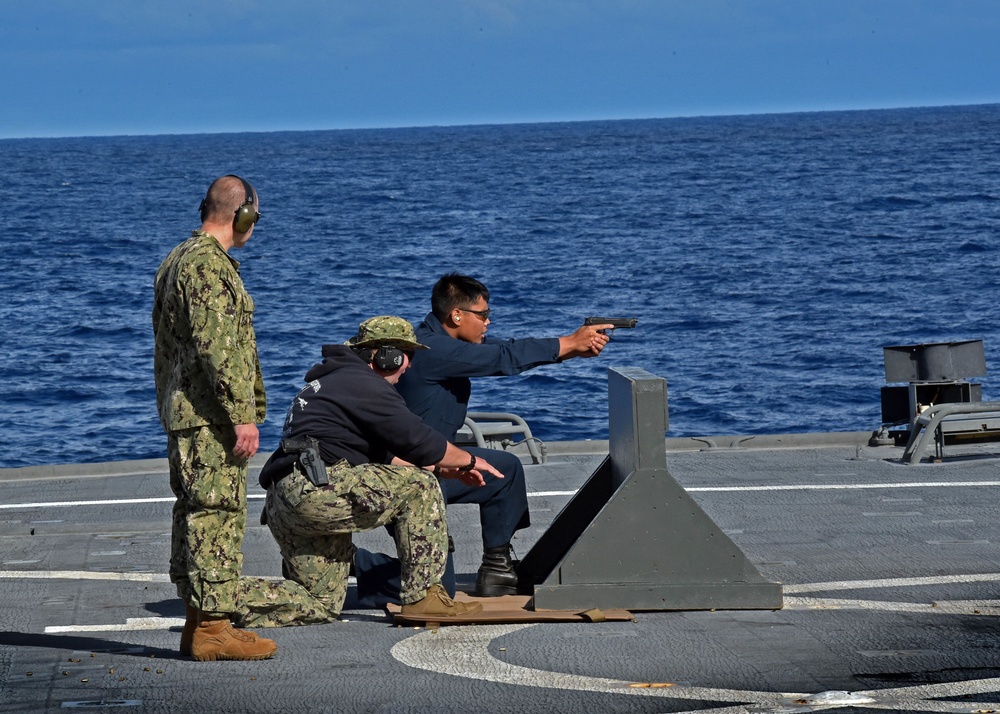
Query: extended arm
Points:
[454, 464]
[587, 341]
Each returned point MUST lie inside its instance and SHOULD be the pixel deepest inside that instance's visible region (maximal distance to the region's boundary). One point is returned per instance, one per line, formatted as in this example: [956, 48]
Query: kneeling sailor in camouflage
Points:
[350, 460]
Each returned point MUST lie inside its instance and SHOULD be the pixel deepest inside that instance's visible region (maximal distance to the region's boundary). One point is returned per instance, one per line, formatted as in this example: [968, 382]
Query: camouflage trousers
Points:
[313, 526]
[265, 602]
[209, 520]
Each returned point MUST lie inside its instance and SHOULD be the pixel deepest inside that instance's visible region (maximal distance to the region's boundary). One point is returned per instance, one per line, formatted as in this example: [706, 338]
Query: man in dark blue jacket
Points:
[437, 388]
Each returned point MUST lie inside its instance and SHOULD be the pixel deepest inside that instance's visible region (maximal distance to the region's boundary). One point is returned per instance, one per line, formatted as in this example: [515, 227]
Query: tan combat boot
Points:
[187, 634]
[218, 639]
[436, 603]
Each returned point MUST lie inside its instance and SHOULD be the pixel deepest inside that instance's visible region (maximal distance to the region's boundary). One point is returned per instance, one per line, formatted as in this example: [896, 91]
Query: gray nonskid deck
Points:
[890, 573]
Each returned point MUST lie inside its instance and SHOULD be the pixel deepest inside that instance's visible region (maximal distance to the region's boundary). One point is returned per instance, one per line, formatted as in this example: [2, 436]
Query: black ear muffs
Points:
[387, 358]
[246, 214]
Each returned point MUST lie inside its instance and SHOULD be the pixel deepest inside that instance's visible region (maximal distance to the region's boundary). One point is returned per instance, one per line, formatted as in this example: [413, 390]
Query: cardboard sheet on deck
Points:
[509, 609]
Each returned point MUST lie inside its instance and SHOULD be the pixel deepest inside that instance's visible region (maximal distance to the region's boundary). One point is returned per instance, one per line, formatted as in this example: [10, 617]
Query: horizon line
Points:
[459, 125]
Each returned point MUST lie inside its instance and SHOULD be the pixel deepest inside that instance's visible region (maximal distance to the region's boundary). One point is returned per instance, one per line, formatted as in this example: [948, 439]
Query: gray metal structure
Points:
[971, 420]
[491, 430]
[632, 537]
[938, 405]
[934, 361]
[936, 373]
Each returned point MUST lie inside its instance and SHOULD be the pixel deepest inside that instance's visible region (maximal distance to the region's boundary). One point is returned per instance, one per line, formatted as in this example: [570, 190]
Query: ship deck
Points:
[890, 575]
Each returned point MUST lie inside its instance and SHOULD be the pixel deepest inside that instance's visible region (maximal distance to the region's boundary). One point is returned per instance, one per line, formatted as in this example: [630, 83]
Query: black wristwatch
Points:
[471, 465]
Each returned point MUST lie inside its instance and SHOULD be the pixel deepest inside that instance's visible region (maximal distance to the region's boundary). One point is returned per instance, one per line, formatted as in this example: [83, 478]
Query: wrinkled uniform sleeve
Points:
[491, 358]
[437, 386]
[205, 360]
[221, 315]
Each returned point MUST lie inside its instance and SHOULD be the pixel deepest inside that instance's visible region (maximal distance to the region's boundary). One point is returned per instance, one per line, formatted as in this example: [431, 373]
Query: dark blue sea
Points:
[768, 258]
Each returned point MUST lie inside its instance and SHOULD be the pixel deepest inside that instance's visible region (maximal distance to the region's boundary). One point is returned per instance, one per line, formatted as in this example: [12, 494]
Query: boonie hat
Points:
[386, 330]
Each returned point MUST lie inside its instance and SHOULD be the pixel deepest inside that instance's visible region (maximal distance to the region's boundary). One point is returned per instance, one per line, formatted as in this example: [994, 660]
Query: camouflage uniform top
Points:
[205, 362]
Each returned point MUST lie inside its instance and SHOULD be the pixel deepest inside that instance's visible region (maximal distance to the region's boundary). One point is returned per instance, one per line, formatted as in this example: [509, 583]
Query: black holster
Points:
[309, 458]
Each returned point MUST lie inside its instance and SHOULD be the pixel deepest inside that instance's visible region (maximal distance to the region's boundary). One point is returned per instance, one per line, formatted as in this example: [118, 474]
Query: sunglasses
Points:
[484, 315]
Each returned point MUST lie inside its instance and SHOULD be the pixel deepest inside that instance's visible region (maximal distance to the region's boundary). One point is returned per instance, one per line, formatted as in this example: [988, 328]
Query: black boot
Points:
[498, 573]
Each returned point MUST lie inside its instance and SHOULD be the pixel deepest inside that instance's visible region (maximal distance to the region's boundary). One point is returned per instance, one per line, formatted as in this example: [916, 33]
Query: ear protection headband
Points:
[388, 358]
[246, 214]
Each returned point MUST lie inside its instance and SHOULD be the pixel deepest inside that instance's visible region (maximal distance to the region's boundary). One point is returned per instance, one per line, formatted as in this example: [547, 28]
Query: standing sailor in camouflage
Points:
[210, 397]
[348, 461]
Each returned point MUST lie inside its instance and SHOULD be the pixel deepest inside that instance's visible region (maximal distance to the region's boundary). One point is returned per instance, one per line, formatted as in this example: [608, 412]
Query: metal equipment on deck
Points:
[938, 405]
[488, 430]
[632, 537]
[971, 421]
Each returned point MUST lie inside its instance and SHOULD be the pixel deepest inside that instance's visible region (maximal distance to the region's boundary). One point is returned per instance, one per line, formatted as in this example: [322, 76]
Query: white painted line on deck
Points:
[938, 607]
[891, 583]
[550, 494]
[105, 502]
[943, 607]
[808, 487]
[69, 504]
[84, 575]
[131, 623]
[464, 652]
[845, 486]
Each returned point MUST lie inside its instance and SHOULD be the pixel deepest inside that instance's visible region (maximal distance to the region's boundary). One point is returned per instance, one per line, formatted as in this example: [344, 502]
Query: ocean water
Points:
[769, 260]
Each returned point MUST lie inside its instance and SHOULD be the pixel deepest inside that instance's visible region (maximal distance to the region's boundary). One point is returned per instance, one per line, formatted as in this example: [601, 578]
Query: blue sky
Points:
[93, 67]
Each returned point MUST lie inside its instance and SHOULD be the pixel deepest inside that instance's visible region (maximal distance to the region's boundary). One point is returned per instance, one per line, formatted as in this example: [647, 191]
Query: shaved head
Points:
[224, 197]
